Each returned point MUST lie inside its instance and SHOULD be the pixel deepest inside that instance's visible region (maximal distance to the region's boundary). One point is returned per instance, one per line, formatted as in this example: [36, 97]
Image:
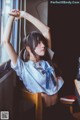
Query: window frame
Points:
[5, 67]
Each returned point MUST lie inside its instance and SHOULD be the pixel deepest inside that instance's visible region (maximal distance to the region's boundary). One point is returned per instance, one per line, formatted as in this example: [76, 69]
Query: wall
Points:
[39, 9]
[64, 22]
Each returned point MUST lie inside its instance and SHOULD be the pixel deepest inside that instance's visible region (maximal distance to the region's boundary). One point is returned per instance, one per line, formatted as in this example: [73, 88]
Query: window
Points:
[5, 7]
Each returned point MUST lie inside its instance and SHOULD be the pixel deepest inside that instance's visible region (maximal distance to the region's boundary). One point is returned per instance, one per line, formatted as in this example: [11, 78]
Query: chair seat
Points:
[69, 100]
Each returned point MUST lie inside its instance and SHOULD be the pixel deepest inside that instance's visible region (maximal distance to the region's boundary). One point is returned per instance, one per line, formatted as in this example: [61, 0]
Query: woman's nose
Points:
[42, 44]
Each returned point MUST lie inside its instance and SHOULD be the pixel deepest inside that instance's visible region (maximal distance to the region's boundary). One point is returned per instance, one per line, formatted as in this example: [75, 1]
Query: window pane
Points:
[6, 6]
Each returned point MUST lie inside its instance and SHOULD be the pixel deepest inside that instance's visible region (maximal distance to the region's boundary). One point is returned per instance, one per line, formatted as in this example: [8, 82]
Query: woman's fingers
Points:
[15, 13]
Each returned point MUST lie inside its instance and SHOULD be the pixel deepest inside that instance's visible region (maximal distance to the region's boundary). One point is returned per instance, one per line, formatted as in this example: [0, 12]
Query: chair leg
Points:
[71, 109]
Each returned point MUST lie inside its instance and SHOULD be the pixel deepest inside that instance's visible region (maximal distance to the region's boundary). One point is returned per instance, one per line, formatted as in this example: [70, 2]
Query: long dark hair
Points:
[32, 41]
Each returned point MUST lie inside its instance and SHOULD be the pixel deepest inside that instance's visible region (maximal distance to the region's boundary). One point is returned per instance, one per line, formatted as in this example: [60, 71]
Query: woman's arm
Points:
[45, 30]
[6, 40]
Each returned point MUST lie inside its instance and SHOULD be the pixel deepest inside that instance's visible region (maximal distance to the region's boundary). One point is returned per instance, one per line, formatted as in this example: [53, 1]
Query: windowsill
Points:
[7, 73]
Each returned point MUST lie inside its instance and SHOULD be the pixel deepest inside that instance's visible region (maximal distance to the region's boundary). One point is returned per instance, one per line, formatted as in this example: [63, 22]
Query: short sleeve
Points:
[18, 66]
[51, 53]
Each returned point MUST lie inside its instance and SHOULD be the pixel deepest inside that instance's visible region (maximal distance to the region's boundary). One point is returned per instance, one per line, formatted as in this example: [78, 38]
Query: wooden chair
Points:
[69, 101]
[36, 99]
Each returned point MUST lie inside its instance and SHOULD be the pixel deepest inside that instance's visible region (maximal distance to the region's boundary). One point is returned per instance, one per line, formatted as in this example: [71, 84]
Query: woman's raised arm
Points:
[6, 40]
[44, 29]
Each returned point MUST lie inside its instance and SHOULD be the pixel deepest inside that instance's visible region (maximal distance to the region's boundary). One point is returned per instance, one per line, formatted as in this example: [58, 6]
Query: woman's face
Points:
[40, 49]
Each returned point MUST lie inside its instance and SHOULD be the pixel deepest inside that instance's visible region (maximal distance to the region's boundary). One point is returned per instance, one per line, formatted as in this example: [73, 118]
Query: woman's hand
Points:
[16, 13]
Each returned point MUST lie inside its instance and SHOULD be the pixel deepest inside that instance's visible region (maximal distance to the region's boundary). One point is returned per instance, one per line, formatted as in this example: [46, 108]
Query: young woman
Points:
[34, 66]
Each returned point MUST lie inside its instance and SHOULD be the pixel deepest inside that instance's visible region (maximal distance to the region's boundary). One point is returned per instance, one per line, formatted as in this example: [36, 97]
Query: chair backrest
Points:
[36, 99]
